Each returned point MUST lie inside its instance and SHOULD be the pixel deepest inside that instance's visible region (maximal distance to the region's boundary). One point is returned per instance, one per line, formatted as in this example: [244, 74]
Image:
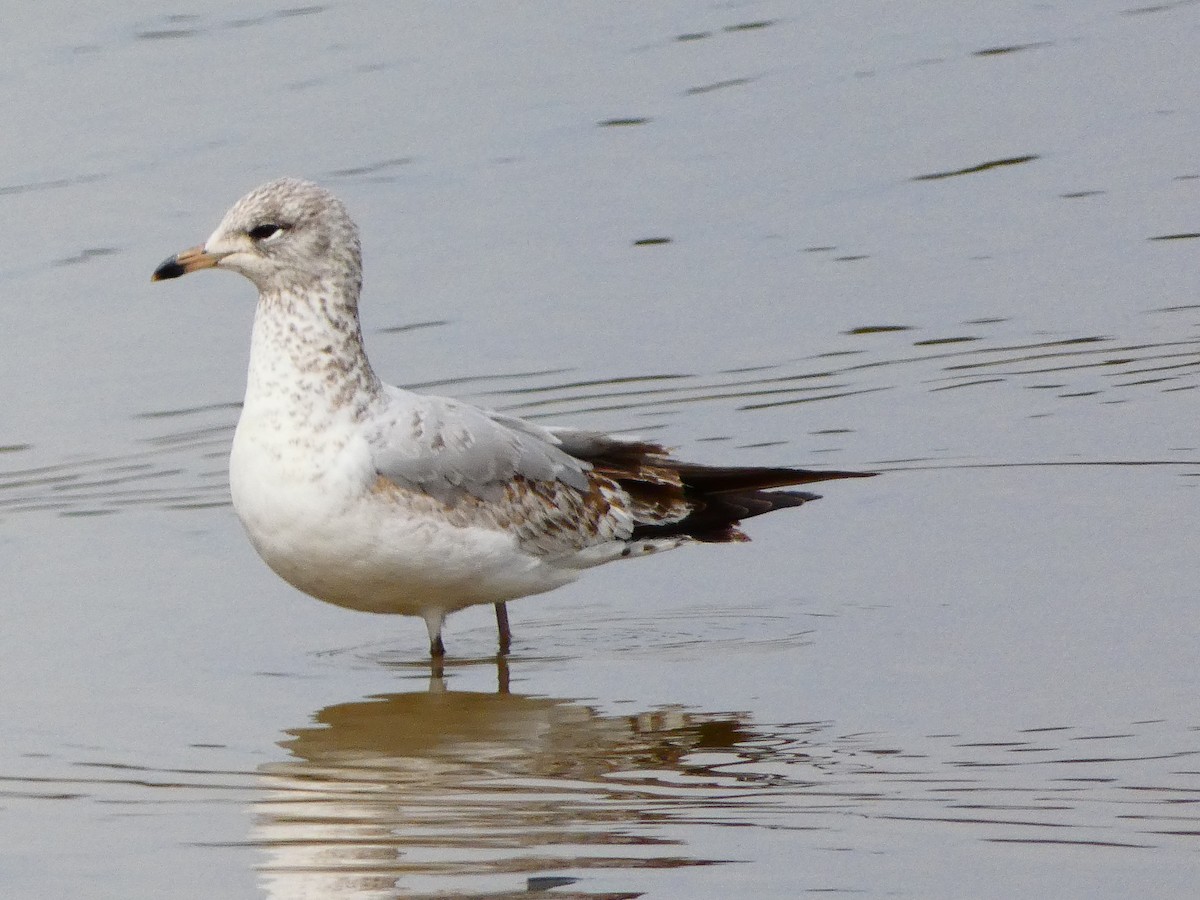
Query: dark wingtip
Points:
[829, 474]
[170, 268]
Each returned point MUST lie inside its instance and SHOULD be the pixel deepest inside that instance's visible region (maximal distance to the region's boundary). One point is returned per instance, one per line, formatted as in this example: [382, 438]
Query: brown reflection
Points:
[470, 794]
[477, 794]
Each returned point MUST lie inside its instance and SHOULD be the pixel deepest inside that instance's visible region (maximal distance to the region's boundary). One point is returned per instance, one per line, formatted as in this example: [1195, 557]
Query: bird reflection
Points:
[471, 794]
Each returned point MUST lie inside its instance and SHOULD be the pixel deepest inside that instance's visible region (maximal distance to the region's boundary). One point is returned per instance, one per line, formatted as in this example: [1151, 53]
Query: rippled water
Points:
[955, 249]
[460, 791]
[180, 456]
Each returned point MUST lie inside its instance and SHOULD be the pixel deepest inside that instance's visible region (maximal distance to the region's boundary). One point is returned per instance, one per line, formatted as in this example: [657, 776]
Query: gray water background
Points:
[955, 244]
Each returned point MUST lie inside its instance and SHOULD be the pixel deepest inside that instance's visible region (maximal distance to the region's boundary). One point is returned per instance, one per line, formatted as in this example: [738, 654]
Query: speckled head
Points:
[286, 236]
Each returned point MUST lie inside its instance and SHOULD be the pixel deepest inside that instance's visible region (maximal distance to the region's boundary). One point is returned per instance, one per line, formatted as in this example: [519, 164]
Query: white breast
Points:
[312, 514]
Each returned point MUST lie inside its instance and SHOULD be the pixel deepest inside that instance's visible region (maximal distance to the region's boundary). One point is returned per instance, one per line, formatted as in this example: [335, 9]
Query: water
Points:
[956, 249]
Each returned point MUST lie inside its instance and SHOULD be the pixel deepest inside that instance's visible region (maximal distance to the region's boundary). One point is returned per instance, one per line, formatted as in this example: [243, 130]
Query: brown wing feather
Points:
[672, 498]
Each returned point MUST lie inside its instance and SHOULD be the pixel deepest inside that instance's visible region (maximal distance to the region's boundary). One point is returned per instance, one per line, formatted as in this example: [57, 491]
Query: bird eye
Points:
[264, 231]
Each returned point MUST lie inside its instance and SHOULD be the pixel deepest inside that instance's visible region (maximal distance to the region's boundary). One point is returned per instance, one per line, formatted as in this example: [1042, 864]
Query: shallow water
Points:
[958, 250]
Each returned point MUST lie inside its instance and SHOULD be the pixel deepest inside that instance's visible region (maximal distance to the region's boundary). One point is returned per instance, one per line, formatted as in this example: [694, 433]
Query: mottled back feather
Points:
[672, 498]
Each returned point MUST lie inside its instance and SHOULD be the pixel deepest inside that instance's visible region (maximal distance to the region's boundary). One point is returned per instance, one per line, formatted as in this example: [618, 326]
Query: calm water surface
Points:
[956, 249]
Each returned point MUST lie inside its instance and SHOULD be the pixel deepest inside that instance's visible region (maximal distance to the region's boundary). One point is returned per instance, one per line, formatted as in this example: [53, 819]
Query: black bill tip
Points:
[170, 268]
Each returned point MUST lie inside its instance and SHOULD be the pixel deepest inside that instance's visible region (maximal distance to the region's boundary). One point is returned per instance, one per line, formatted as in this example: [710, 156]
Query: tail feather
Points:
[714, 518]
[672, 498]
[724, 479]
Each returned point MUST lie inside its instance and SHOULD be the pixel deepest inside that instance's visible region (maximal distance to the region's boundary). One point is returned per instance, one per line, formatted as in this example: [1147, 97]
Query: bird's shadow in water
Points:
[453, 792]
[441, 792]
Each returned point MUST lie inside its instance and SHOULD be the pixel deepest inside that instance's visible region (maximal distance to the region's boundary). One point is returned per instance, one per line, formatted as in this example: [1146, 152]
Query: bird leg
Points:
[433, 624]
[502, 627]
[502, 677]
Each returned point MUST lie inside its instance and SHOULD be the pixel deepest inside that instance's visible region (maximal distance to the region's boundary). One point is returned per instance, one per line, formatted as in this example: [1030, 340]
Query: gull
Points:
[379, 499]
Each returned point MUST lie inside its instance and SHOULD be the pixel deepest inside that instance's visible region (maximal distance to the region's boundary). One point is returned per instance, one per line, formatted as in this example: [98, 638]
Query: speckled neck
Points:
[307, 357]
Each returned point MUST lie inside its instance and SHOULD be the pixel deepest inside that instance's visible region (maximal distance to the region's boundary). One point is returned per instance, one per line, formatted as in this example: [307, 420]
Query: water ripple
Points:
[444, 791]
[182, 466]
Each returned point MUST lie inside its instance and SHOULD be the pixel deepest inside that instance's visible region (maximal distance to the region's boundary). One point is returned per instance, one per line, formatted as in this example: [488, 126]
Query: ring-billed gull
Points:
[380, 499]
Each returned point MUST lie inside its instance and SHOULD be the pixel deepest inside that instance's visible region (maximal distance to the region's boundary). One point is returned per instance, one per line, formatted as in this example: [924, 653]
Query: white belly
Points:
[315, 520]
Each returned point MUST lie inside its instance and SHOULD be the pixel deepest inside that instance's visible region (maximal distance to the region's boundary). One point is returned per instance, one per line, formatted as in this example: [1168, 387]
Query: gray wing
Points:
[447, 449]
